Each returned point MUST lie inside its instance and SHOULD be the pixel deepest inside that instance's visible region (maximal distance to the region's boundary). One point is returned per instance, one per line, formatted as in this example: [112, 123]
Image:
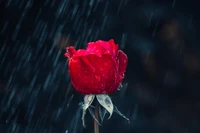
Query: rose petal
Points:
[105, 73]
[80, 52]
[70, 51]
[100, 47]
[114, 47]
[95, 48]
[66, 55]
[92, 74]
[81, 73]
[123, 61]
[110, 46]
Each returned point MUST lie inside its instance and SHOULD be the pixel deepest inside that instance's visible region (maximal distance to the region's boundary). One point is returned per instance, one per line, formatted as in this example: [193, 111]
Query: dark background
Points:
[160, 38]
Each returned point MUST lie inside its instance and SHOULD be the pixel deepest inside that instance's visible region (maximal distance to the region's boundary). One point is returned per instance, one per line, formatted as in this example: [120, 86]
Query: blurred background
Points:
[160, 91]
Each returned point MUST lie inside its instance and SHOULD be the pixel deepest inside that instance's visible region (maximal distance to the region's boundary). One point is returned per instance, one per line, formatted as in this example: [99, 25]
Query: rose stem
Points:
[96, 126]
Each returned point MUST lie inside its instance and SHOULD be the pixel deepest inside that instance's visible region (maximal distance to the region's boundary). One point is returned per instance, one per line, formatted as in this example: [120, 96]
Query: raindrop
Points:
[120, 6]
[123, 40]
[104, 22]
[57, 57]
[8, 3]
[46, 2]
[105, 9]
[75, 10]
[37, 17]
[190, 22]
[174, 2]
[98, 77]
[53, 3]
[155, 29]
[46, 84]
[150, 18]
[4, 27]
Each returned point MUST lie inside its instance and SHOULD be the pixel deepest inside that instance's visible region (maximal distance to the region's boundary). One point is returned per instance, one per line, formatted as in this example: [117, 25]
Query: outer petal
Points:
[123, 61]
[92, 74]
[80, 52]
[112, 47]
[70, 51]
[105, 73]
[80, 71]
[102, 46]
[95, 48]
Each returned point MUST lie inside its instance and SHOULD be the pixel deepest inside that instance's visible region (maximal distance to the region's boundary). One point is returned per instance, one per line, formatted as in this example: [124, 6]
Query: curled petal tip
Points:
[111, 40]
[69, 51]
[66, 55]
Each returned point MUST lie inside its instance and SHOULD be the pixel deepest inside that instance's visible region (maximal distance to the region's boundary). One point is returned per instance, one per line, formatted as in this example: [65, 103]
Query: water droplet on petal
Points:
[86, 71]
[98, 77]
[102, 87]
[106, 64]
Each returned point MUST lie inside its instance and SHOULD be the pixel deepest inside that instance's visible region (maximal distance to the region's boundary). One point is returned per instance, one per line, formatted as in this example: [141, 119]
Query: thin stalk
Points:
[96, 126]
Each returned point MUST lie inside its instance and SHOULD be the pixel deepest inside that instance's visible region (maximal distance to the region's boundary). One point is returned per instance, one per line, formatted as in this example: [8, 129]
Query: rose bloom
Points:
[97, 70]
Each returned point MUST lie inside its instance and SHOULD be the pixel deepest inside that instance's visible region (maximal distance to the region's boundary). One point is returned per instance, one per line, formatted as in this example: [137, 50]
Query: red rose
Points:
[97, 70]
